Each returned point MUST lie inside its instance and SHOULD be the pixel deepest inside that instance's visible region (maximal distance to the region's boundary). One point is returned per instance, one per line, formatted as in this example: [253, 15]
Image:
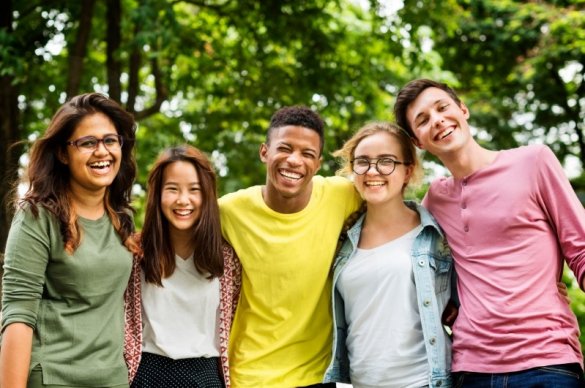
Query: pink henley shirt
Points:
[510, 225]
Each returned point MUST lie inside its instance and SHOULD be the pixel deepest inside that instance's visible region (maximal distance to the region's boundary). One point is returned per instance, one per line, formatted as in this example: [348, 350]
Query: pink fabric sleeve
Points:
[564, 210]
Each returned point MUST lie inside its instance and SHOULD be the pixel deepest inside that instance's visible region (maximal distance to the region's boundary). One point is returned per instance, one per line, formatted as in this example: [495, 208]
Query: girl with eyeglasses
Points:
[392, 273]
[190, 277]
[68, 260]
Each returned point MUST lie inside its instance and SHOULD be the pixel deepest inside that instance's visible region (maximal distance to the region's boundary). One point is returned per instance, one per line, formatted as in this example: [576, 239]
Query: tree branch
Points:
[161, 93]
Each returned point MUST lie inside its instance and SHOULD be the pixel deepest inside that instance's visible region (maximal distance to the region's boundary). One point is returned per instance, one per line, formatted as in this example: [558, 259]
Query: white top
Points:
[385, 339]
[180, 319]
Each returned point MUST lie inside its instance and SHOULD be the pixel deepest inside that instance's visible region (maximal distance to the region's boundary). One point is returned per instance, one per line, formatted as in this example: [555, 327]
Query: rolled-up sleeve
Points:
[26, 257]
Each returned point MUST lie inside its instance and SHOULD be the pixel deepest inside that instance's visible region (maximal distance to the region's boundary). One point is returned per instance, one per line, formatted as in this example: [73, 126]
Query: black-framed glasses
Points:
[385, 166]
[88, 144]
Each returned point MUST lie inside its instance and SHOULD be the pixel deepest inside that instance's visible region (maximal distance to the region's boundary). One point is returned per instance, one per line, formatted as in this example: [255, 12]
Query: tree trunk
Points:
[113, 45]
[9, 134]
[79, 49]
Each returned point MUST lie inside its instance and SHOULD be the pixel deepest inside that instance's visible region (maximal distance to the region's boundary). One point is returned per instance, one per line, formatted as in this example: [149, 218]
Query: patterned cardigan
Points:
[230, 284]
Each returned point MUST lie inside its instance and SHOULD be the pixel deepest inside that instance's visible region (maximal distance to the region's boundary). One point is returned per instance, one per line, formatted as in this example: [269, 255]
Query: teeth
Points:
[375, 183]
[290, 174]
[102, 164]
[443, 135]
[183, 212]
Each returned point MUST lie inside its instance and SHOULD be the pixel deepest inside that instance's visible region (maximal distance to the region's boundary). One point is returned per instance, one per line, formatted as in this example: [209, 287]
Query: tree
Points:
[199, 71]
[520, 66]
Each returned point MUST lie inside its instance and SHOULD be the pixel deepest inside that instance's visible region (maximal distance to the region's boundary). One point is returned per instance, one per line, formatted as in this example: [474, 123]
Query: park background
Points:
[212, 72]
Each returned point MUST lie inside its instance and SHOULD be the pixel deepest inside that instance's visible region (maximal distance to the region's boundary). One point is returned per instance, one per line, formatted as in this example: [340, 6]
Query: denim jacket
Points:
[432, 265]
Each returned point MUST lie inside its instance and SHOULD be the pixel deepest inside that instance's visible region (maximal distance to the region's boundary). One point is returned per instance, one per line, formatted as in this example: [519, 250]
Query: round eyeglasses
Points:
[385, 166]
[89, 144]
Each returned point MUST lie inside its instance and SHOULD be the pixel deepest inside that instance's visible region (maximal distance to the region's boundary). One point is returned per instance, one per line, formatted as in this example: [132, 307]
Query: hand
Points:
[449, 314]
[563, 292]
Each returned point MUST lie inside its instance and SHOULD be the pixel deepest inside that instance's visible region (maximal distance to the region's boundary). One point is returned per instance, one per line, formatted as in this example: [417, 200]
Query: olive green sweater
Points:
[74, 303]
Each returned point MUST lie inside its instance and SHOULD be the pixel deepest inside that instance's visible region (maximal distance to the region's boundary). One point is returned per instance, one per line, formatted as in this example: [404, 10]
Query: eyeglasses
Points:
[88, 144]
[385, 166]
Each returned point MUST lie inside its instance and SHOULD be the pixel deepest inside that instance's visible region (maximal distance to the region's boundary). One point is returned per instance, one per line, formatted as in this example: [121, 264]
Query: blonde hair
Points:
[346, 153]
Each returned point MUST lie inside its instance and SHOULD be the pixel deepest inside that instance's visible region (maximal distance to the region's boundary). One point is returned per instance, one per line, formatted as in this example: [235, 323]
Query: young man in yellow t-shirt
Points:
[285, 233]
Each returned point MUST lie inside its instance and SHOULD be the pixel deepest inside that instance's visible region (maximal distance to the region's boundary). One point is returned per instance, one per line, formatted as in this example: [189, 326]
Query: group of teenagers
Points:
[304, 281]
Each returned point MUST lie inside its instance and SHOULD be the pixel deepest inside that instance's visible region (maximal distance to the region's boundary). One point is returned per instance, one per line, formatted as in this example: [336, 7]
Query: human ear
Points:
[62, 157]
[417, 143]
[465, 110]
[262, 152]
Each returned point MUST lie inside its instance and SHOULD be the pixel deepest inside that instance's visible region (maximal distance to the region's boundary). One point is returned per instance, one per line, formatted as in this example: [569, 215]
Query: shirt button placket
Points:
[463, 205]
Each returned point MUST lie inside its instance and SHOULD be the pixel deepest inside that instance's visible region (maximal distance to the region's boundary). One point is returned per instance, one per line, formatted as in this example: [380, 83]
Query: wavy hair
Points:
[49, 177]
[159, 255]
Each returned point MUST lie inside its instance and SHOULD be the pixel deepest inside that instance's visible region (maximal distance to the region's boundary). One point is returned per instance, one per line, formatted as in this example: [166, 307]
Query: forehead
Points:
[425, 100]
[296, 136]
[379, 143]
[180, 171]
[95, 124]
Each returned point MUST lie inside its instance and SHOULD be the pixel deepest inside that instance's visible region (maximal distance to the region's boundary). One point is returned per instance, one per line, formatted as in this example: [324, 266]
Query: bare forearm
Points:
[15, 355]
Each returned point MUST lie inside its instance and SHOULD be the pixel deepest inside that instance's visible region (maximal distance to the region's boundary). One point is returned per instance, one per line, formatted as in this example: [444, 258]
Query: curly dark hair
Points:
[297, 115]
[49, 177]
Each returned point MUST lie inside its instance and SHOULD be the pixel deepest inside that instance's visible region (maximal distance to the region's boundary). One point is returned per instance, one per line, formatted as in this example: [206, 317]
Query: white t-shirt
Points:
[180, 319]
[385, 339]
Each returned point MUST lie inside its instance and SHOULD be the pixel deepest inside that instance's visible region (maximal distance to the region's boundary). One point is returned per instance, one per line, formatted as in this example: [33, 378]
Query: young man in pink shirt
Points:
[511, 219]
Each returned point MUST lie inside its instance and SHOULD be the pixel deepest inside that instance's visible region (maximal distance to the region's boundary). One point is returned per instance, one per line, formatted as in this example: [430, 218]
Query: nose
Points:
[436, 118]
[372, 169]
[101, 148]
[182, 198]
[294, 159]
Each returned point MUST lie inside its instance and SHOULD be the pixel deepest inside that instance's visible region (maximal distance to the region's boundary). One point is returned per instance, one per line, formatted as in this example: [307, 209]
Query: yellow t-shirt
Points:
[281, 335]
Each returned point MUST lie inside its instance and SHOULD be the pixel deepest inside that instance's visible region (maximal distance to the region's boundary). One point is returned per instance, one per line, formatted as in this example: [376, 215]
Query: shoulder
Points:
[333, 184]
[238, 197]
[531, 152]
[29, 214]
[440, 185]
[332, 181]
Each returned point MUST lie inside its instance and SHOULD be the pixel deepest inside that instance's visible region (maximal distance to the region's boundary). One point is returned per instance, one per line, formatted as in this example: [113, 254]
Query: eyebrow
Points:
[284, 143]
[377, 157]
[169, 183]
[433, 104]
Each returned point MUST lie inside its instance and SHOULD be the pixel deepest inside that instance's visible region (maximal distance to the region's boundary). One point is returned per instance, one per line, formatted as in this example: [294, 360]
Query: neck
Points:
[468, 160]
[182, 243]
[386, 222]
[283, 204]
[388, 213]
[88, 205]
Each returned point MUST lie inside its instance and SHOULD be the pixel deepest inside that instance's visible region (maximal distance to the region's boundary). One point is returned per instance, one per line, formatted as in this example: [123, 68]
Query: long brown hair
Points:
[159, 255]
[49, 177]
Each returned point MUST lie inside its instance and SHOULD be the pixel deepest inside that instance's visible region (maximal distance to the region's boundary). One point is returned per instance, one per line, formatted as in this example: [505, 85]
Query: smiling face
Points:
[292, 158]
[374, 187]
[92, 172]
[439, 123]
[181, 196]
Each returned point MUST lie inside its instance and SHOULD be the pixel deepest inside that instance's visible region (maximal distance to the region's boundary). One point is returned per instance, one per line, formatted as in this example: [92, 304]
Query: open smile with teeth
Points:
[101, 164]
[444, 134]
[290, 174]
[182, 212]
[375, 183]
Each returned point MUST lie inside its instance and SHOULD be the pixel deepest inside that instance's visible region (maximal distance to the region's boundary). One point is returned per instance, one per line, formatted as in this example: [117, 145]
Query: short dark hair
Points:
[410, 92]
[297, 115]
